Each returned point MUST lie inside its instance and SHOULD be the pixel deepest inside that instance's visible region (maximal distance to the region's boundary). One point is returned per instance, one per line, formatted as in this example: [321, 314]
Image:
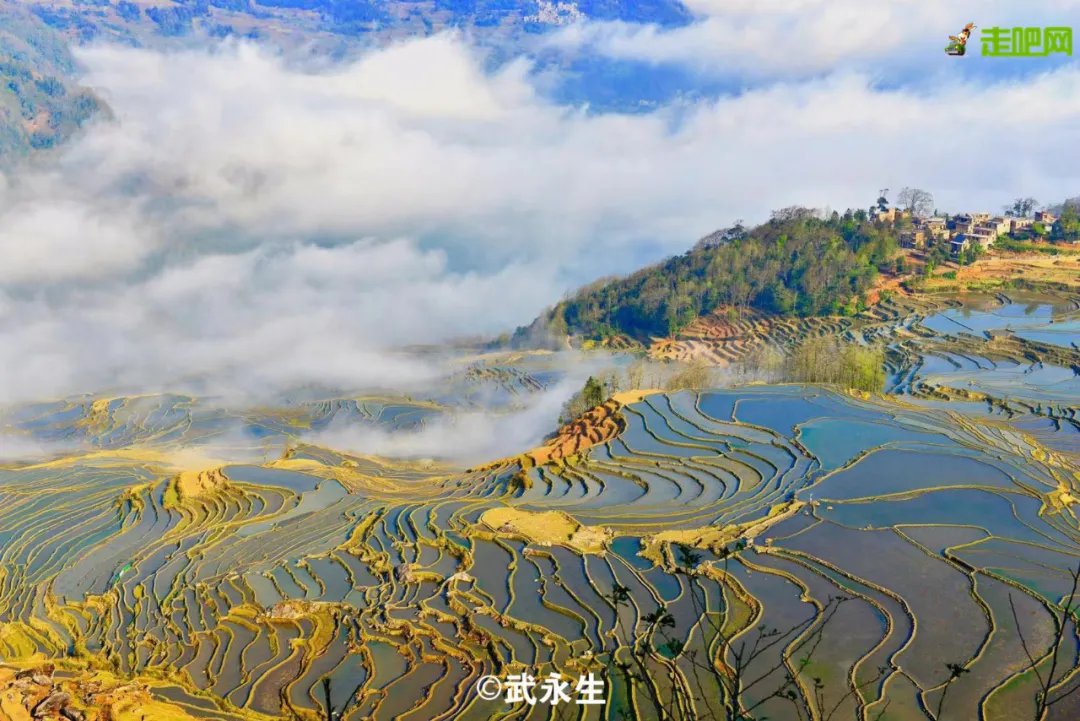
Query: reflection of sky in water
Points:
[892, 471]
[957, 507]
[1041, 383]
[1032, 321]
[836, 441]
[324, 495]
[1066, 333]
[1004, 379]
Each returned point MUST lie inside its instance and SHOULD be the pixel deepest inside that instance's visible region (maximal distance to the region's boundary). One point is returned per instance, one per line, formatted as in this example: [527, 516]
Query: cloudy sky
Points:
[244, 222]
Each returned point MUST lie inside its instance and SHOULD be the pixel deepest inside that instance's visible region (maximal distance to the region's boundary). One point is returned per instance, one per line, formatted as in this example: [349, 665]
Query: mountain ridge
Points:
[145, 21]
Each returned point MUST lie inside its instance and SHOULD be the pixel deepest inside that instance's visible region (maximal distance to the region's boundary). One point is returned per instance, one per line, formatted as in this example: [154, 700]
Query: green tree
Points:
[592, 394]
[971, 254]
[882, 203]
[1067, 227]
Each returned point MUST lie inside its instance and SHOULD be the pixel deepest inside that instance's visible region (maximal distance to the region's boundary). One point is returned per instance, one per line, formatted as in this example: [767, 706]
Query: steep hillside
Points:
[41, 103]
[797, 264]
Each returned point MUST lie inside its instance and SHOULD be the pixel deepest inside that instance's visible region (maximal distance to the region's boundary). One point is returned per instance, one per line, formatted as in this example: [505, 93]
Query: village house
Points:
[983, 238]
[1045, 217]
[913, 238]
[986, 229]
[937, 230]
[1001, 224]
[963, 223]
[1017, 225]
[959, 244]
[891, 215]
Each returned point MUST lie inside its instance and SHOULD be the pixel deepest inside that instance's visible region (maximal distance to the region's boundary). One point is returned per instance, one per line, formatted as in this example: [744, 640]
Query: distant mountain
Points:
[1057, 208]
[41, 102]
[146, 20]
[795, 264]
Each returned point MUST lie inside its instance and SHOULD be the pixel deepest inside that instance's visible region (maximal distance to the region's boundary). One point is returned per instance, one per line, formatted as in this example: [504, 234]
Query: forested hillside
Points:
[41, 104]
[797, 263]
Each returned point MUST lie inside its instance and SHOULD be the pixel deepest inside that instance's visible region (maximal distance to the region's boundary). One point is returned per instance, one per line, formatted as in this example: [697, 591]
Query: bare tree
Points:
[918, 202]
[793, 212]
[635, 375]
[326, 698]
[1049, 678]
[696, 375]
[956, 670]
[1021, 207]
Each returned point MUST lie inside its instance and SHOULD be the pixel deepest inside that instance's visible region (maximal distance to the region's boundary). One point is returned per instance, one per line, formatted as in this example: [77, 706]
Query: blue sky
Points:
[731, 46]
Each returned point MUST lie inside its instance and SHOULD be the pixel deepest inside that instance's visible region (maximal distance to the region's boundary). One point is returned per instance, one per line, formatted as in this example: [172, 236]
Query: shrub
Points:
[834, 362]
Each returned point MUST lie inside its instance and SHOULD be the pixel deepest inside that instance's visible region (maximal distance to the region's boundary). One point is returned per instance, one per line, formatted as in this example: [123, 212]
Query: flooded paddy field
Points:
[912, 549]
[1014, 353]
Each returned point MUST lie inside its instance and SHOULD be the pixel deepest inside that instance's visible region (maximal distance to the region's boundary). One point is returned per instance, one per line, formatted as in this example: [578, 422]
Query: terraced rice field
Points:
[728, 336]
[235, 591]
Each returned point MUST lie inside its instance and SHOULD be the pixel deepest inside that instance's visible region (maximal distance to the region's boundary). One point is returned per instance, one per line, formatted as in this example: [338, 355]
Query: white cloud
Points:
[746, 40]
[466, 438]
[55, 239]
[17, 447]
[258, 323]
[248, 226]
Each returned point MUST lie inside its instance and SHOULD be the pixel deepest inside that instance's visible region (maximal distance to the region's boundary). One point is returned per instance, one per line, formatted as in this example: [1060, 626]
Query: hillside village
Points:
[962, 232]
